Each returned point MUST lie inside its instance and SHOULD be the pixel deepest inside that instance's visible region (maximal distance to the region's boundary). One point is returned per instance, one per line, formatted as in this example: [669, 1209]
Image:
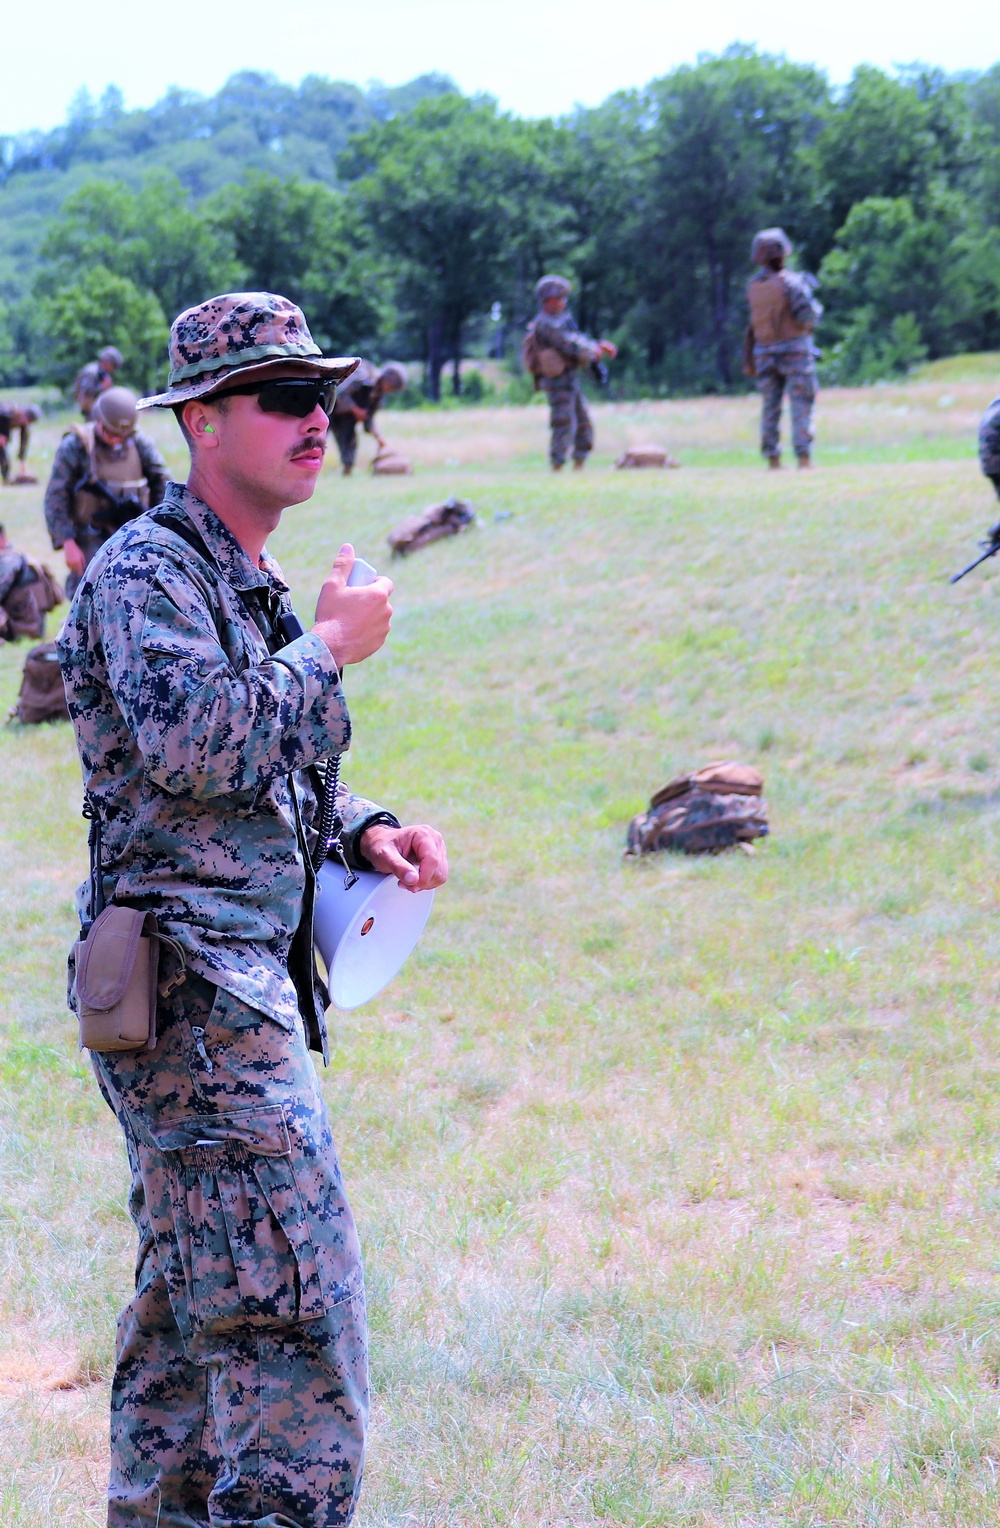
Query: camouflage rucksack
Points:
[711, 809]
[445, 519]
[42, 696]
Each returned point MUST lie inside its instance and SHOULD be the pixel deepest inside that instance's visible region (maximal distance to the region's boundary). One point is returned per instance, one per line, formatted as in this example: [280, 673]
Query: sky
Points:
[538, 57]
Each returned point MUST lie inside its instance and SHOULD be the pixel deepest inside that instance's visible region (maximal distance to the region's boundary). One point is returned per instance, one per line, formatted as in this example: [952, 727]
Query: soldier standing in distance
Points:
[95, 378]
[13, 417]
[104, 473]
[560, 350]
[240, 1394]
[779, 348]
[358, 401]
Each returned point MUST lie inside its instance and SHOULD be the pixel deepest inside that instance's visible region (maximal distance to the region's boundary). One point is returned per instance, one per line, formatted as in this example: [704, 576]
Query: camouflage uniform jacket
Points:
[359, 391]
[72, 465]
[559, 332]
[91, 381]
[192, 739]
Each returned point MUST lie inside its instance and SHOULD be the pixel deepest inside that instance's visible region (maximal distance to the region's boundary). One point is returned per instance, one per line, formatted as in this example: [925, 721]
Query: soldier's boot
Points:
[805, 460]
[774, 462]
[557, 466]
[347, 469]
[578, 462]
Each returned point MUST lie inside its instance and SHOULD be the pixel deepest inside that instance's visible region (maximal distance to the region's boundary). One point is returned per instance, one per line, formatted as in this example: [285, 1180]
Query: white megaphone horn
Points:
[365, 926]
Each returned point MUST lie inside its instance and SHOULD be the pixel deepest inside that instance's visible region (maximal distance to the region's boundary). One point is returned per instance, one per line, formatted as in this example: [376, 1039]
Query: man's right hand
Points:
[353, 623]
[75, 560]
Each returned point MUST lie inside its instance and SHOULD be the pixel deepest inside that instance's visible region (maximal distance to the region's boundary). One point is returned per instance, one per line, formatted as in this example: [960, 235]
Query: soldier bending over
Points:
[240, 1394]
[358, 401]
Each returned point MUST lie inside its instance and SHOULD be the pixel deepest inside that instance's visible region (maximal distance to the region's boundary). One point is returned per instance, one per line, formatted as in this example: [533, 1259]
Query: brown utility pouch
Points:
[116, 976]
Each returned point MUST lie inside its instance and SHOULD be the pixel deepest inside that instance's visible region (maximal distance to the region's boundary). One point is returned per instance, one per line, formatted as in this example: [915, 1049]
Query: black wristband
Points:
[353, 848]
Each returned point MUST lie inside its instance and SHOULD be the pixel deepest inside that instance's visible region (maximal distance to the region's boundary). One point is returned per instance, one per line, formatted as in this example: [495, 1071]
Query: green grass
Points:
[677, 1178]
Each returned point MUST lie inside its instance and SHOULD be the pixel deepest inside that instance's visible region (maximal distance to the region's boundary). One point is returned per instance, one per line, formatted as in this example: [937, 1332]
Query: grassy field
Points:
[678, 1179]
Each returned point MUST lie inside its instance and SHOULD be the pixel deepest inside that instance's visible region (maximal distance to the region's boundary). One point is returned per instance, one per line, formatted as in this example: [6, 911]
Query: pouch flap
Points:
[262, 1131]
[678, 786]
[727, 778]
[107, 956]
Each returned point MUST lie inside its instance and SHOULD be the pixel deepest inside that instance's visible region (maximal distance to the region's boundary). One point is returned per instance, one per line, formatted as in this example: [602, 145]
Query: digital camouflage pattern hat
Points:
[236, 337]
[111, 356]
[552, 286]
[769, 244]
[395, 375]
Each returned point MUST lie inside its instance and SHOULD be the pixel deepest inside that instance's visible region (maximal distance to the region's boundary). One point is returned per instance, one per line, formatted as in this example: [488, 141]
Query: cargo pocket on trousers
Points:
[242, 1238]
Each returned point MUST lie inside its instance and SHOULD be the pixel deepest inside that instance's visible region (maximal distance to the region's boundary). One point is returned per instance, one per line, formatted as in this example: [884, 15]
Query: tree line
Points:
[420, 225]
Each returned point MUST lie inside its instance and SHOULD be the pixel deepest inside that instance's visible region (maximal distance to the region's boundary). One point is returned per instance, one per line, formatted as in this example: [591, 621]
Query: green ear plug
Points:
[209, 430]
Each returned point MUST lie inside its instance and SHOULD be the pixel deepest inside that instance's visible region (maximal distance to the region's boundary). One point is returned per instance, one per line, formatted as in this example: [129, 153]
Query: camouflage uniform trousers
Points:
[240, 1396]
[344, 428]
[569, 419]
[778, 368]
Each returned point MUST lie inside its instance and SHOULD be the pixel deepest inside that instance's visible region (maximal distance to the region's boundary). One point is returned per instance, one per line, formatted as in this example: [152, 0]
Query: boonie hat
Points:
[552, 286]
[236, 337]
[115, 410]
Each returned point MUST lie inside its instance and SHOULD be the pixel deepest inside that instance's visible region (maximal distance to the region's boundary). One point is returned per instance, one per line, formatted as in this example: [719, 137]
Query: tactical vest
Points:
[770, 314]
[114, 488]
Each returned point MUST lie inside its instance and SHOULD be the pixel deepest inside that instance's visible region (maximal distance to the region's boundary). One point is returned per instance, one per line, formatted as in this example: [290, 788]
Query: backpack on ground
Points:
[445, 519]
[35, 592]
[700, 813]
[646, 456]
[390, 464]
[42, 697]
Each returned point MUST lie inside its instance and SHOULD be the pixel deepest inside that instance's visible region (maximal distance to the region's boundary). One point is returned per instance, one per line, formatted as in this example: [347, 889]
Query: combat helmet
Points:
[552, 286]
[115, 410]
[769, 244]
[111, 356]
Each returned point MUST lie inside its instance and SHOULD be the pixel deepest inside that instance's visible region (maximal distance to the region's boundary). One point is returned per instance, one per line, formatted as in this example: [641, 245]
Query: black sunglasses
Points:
[288, 395]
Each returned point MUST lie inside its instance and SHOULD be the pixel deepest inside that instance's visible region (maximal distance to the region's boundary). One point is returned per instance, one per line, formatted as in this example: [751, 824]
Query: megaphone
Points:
[365, 926]
[366, 931]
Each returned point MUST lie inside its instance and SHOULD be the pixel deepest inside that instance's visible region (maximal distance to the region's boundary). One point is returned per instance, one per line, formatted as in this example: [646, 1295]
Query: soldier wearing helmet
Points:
[105, 473]
[554, 352]
[358, 401]
[778, 348]
[95, 378]
[14, 417]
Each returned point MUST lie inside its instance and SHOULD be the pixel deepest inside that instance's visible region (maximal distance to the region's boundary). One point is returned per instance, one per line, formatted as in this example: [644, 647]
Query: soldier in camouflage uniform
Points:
[103, 471]
[95, 378]
[358, 401]
[989, 444]
[555, 334]
[13, 417]
[779, 345]
[240, 1392]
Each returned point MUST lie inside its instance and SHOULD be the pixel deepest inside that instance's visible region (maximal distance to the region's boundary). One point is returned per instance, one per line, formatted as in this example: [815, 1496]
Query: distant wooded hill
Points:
[402, 218]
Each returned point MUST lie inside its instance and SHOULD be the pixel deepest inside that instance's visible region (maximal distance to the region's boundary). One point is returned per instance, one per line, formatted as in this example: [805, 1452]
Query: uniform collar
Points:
[234, 564]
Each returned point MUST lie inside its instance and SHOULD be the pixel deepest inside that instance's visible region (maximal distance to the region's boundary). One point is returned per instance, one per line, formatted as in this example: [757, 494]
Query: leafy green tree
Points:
[725, 153]
[302, 239]
[448, 190]
[103, 308]
[899, 285]
[152, 237]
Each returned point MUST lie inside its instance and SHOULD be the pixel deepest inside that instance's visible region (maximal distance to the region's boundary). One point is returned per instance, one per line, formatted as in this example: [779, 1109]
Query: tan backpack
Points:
[700, 813]
[646, 456]
[42, 697]
[540, 360]
[445, 519]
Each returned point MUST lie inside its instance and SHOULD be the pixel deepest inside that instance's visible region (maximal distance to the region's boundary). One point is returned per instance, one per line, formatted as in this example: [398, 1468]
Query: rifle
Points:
[992, 548]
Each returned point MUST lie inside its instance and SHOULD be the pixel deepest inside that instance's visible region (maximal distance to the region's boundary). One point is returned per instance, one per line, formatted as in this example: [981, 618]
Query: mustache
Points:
[314, 443]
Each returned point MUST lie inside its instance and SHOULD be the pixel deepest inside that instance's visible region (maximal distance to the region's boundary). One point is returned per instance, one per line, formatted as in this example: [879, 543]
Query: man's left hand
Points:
[416, 856]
